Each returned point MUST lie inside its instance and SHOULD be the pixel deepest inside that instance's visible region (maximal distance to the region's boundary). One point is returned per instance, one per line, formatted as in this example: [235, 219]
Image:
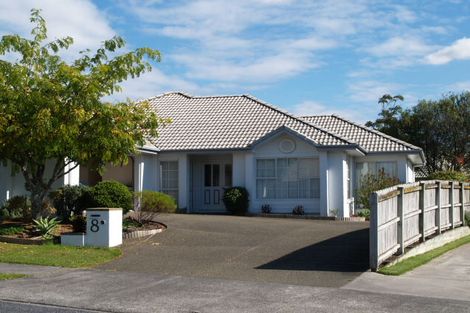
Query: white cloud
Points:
[459, 86]
[253, 41]
[458, 50]
[89, 27]
[401, 46]
[309, 107]
[79, 19]
[154, 83]
[370, 91]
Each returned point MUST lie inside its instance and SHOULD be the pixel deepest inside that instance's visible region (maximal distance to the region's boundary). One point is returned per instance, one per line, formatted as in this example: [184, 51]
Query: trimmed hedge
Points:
[112, 194]
[449, 175]
[156, 202]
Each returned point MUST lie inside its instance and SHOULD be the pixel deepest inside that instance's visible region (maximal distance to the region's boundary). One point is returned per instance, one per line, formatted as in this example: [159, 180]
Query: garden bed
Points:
[134, 229]
[21, 232]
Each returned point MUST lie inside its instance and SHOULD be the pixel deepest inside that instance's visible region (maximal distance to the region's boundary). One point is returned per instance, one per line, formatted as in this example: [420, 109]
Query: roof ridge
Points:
[371, 130]
[273, 107]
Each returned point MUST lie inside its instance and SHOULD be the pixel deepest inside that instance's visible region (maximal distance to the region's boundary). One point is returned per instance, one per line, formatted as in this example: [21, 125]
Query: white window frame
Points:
[172, 191]
[315, 194]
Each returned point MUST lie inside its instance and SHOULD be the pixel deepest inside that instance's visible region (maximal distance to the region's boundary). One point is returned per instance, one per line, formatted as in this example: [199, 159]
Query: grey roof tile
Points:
[369, 139]
[226, 122]
[237, 122]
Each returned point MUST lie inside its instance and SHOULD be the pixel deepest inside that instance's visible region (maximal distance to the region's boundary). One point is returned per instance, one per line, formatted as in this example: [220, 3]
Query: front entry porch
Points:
[209, 176]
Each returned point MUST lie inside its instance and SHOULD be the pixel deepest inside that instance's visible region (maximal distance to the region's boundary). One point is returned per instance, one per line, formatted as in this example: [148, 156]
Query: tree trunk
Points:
[37, 200]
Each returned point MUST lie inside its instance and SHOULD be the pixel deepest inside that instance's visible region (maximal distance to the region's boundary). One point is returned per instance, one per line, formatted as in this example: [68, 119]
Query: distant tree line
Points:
[440, 127]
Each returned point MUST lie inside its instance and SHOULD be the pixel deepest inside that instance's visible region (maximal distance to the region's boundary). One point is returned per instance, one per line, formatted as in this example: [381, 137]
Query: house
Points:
[215, 142]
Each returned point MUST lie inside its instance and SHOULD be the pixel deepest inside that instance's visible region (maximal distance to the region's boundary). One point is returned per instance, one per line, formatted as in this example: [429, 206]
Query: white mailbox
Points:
[103, 227]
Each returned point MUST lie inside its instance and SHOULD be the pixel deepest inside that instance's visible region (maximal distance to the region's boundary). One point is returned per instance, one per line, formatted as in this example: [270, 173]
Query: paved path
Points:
[280, 250]
[142, 292]
[446, 277]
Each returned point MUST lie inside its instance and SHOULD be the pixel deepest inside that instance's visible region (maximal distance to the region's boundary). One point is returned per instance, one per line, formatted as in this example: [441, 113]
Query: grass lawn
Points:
[413, 262]
[5, 276]
[56, 255]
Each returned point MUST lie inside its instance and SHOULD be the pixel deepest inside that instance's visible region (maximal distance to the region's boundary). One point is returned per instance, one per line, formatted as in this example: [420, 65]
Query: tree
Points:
[441, 127]
[52, 113]
[389, 117]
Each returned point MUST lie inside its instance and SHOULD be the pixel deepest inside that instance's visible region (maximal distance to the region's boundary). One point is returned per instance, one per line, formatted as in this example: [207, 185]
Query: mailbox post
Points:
[104, 227]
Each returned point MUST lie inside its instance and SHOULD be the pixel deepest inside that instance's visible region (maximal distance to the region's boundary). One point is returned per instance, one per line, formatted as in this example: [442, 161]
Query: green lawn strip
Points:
[418, 260]
[56, 255]
[5, 276]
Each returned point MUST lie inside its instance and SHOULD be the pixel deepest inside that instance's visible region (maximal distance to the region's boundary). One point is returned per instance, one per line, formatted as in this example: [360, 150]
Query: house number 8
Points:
[94, 225]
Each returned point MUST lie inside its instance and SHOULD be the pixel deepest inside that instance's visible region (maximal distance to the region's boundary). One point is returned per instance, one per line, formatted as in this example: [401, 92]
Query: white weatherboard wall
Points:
[238, 167]
[270, 149]
[14, 185]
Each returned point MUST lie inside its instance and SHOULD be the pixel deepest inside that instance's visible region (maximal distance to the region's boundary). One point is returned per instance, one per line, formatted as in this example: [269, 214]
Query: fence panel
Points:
[404, 214]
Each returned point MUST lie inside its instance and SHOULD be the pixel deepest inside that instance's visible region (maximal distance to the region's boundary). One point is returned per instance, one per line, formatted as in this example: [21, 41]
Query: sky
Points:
[308, 57]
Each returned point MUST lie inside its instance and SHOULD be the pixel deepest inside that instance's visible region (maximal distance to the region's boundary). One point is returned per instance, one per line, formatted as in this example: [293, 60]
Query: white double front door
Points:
[210, 178]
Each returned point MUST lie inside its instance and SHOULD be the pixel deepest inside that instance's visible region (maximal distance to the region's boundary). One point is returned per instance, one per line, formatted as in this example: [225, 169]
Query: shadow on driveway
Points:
[345, 253]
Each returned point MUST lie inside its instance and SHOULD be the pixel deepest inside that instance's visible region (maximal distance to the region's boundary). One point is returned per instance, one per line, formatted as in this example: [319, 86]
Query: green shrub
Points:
[364, 213]
[78, 223]
[236, 200]
[130, 223]
[11, 229]
[112, 194]
[156, 202]
[17, 207]
[71, 200]
[371, 183]
[449, 175]
[46, 226]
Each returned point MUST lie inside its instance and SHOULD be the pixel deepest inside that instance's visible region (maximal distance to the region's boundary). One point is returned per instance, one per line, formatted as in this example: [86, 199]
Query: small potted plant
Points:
[266, 209]
[298, 210]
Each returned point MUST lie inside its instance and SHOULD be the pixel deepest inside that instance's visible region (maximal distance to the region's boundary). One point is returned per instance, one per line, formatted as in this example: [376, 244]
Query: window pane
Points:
[265, 168]
[293, 190]
[215, 175]
[292, 170]
[315, 188]
[389, 168]
[207, 175]
[265, 188]
[169, 178]
[228, 175]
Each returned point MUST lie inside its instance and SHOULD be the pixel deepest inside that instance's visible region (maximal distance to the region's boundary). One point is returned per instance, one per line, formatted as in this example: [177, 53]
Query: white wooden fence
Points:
[404, 214]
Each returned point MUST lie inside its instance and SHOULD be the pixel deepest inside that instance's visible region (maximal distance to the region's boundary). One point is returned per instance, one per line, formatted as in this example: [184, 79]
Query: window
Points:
[362, 169]
[169, 178]
[287, 178]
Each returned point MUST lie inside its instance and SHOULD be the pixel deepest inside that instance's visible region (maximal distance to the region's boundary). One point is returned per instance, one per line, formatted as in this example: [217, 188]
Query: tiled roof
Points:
[368, 138]
[226, 122]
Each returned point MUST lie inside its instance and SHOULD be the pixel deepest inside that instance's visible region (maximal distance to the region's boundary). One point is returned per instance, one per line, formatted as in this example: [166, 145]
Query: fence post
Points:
[462, 199]
[438, 200]
[421, 208]
[451, 214]
[373, 232]
[401, 222]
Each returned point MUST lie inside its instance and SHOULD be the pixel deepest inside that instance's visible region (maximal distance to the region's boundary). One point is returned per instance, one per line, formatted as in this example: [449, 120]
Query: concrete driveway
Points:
[290, 251]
